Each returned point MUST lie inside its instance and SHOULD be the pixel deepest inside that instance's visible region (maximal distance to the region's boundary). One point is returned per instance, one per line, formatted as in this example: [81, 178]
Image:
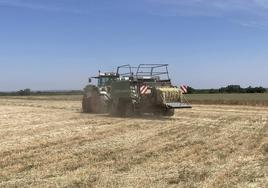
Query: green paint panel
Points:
[121, 89]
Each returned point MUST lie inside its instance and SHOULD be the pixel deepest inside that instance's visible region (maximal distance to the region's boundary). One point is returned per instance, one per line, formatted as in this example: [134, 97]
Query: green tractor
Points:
[96, 98]
[131, 91]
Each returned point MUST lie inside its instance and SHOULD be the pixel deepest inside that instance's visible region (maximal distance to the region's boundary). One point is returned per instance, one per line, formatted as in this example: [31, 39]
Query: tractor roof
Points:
[106, 74]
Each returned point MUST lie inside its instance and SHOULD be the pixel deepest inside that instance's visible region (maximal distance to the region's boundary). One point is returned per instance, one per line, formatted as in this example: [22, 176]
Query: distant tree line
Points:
[228, 89]
[29, 92]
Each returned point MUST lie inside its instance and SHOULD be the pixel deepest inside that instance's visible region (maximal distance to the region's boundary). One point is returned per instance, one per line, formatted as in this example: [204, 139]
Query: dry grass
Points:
[49, 143]
[253, 99]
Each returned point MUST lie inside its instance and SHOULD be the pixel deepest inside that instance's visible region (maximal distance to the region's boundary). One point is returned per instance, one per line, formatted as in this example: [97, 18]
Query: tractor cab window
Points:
[102, 81]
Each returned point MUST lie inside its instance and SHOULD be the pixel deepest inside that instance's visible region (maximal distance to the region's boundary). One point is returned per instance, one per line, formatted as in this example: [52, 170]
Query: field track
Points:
[49, 143]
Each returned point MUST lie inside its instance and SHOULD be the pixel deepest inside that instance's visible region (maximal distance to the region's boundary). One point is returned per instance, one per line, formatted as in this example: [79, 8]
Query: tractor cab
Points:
[104, 79]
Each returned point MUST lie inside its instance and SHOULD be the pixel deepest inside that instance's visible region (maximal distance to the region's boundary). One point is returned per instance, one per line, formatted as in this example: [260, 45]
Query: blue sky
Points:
[58, 44]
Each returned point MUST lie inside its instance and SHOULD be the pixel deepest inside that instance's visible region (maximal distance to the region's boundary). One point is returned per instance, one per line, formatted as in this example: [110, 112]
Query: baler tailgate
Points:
[178, 105]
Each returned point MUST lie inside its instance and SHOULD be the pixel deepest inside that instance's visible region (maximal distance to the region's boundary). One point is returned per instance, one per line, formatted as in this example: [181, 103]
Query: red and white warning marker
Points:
[184, 89]
[144, 89]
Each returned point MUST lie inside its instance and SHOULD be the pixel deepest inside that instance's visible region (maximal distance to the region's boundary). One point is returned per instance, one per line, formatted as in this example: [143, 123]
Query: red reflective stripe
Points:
[143, 89]
[184, 88]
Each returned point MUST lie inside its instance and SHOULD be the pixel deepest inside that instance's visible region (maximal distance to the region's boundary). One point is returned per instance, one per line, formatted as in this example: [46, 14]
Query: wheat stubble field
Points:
[47, 142]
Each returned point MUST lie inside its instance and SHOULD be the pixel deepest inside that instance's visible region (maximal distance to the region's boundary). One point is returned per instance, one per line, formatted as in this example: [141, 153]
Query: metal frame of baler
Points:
[144, 70]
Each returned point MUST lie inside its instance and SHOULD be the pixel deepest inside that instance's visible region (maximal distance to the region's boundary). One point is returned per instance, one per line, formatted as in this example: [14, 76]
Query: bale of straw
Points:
[166, 95]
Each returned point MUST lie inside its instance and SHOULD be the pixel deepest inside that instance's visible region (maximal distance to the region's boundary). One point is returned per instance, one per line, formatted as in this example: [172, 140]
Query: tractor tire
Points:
[103, 104]
[96, 102]
[125, 108]
[86, 105]
[92, 104]
[169, 112]
[113, 110]
[122, 109]
[129, 109]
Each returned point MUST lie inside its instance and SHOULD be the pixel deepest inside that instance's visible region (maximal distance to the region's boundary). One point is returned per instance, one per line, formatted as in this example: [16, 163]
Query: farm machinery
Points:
[131, 91]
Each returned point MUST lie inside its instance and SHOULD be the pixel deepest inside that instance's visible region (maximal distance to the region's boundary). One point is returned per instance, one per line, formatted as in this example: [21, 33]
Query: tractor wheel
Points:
[103, 104]
[122, 109]
[125, 108]
[169, 112]
[95, 102]
[86, 105]
[113, 110]
[129, 110]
